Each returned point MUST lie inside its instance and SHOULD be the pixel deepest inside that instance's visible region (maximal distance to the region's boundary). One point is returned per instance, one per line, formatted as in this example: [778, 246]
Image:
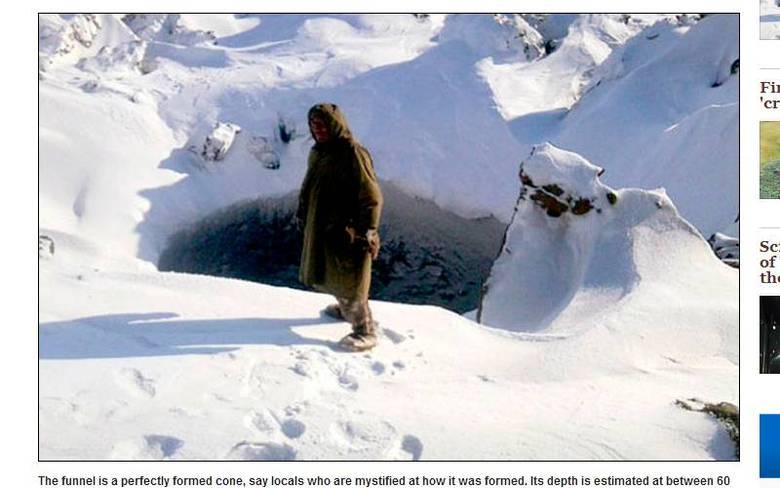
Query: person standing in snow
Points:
[338, 209]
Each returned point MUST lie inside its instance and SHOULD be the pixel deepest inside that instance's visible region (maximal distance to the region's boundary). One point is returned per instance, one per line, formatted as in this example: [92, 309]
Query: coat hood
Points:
[333, 117]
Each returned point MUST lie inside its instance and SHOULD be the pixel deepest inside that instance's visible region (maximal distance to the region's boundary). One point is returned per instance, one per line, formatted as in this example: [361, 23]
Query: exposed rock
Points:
[726, 413]
[555, 201]
[726, 248]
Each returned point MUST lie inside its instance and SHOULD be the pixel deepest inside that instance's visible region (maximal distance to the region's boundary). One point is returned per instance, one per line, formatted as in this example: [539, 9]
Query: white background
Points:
[19, 444]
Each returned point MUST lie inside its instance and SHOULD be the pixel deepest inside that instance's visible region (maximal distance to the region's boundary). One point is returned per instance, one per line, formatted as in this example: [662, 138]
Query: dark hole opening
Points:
[428, 255]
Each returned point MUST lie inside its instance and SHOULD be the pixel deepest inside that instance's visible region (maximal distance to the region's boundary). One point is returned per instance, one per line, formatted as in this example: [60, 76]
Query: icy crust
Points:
[572, 274]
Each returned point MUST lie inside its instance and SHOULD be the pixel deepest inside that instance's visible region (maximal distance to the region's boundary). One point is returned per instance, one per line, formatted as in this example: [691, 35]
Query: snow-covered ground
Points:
[592, 324]
[770, 19]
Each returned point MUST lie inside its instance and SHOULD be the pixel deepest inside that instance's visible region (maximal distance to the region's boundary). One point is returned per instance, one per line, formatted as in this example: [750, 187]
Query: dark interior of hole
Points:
[428, 255]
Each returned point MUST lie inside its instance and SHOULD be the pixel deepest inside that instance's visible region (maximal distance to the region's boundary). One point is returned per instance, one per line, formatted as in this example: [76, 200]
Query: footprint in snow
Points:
[347, 380]
[149, 447]
[408, 448]
[269, 424]
[395, 337]
[293, 428]
[134, 381]
[303, 368]
[378, 367]
[307, 362]
[262, 451]
[364, 438]
[263, 422]
[296, 408]
[167, 446]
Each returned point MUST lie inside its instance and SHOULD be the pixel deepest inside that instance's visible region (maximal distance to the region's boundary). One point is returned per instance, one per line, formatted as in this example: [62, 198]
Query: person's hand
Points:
[368, 240]
[372, 243]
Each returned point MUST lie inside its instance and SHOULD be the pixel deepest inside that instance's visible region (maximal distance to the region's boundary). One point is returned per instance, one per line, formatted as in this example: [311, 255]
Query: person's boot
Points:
[333, 311]
[361, 338]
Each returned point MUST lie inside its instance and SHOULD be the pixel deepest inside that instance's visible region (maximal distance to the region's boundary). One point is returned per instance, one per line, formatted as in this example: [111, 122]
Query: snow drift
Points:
[580, 258]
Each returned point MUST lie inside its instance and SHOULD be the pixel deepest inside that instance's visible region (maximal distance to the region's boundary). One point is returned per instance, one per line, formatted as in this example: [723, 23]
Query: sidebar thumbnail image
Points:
[769, 179]
[769, 310]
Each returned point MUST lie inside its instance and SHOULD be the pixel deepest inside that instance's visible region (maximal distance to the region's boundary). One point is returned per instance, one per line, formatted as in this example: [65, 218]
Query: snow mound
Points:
[630, 253]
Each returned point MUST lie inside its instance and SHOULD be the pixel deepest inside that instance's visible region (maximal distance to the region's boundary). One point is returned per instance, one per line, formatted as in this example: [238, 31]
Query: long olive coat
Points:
[340, 190]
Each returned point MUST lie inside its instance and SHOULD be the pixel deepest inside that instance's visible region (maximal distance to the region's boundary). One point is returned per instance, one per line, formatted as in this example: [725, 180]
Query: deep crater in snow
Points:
[428, 255]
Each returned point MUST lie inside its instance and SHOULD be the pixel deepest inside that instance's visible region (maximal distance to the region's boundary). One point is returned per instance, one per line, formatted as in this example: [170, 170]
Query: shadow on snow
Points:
[158, 334]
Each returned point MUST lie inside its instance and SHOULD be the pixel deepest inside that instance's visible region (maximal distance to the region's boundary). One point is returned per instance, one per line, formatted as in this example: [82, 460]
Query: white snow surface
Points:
[138, 364]
[574, 274]
[770, 19]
